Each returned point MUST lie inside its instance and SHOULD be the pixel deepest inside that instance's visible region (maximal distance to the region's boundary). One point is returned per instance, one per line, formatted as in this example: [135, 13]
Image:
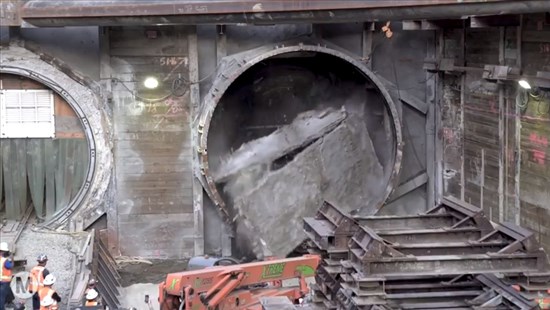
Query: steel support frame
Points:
[80, 13]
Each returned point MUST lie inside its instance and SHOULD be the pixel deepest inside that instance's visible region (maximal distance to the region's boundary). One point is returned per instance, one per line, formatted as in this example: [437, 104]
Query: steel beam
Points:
[506, 291]
[451, 248]
[431, 235]
[116, 13]
[449, 265]
[407, 222]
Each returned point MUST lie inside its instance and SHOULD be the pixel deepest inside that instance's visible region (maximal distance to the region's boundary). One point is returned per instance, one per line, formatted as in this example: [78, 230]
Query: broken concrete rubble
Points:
[306, 128]
[340, 166]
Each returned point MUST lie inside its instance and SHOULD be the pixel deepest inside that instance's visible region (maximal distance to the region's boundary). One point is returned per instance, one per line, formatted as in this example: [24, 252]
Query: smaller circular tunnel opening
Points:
[38, 168]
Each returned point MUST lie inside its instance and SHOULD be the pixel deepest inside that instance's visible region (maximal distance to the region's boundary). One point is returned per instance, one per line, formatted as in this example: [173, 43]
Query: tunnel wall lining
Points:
[87, 105]
[233, 66]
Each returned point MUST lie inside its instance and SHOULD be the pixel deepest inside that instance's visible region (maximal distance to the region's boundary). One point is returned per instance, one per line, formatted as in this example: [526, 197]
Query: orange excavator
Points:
[235, 287]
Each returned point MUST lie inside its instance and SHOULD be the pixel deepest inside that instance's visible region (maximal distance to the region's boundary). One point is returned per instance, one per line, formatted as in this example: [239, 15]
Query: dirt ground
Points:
[142, 279]
[145, 273]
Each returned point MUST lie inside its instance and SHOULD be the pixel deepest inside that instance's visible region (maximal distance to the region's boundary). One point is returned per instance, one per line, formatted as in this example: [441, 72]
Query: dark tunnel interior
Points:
[273, 92]
[351, 164]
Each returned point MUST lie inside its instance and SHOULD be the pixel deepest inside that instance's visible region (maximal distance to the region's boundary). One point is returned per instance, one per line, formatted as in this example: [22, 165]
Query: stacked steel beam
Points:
[329, 233]
[442, 259]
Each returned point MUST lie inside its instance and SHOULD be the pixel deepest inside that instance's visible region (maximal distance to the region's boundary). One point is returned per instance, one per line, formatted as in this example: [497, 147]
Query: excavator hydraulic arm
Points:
[236, 286]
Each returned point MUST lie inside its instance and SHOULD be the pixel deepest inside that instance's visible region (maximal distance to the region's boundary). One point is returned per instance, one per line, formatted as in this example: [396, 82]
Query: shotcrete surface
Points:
[60, 249]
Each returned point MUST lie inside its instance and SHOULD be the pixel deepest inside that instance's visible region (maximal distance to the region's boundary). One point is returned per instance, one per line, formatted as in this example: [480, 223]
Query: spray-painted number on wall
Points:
[172, 61]
[273, 270]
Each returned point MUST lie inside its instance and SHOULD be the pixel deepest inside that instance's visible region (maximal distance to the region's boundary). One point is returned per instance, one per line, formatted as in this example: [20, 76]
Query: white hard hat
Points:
[42, 258]
[4, 247]
[48, 301]
[92, 294]
[49, 280]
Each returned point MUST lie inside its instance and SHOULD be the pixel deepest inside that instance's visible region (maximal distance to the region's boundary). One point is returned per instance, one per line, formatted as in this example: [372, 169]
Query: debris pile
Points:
[274, 181]
[451, 257]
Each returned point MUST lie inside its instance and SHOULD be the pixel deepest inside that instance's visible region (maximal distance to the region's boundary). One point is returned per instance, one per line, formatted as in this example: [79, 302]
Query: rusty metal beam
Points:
[431, 235]
[407, 222]
[134, 12]
[449, 265]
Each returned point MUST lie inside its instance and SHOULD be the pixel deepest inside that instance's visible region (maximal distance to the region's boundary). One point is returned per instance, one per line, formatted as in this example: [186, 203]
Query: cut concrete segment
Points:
[306, 128]
[340, 167]
[269, 183]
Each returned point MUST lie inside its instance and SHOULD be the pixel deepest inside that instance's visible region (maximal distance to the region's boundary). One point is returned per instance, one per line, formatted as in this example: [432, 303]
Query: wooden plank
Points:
[536, 36]
[151, 177]
[153, 234]
[160, 200]
[154, 169]
[168, 208]
[152, 144]
[159, 137]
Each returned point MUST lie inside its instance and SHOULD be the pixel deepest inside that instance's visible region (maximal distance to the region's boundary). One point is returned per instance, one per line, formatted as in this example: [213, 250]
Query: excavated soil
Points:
[154, 273]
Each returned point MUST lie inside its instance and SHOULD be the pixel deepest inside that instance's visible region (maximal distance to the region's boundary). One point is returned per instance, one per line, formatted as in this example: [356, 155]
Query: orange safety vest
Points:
[37, 279]
[91, 303]
[5, 273]
[47, 291]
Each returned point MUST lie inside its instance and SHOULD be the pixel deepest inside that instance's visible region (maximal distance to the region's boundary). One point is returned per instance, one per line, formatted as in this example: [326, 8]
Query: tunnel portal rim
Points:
[230, 70]
[62, 216]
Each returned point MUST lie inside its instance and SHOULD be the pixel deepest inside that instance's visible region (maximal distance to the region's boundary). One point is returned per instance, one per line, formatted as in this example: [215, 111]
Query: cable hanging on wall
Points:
[178, 88]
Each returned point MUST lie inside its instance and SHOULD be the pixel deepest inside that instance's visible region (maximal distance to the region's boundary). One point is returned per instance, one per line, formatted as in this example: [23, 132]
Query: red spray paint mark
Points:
[448, 135]
[541, 143]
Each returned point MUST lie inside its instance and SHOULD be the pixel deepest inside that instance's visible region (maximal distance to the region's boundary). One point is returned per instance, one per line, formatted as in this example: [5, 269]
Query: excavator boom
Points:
[228, 287]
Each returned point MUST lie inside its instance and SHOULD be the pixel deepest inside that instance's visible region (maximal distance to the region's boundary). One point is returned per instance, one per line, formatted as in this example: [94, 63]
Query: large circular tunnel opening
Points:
[44, 150]
[293, 130]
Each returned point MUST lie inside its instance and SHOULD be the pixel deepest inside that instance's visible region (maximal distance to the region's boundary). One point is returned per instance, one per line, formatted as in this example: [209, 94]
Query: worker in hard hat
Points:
[91, 298]
[48, 291]
[48, 304]
[6, 266]
[92, 283]
[38, 274]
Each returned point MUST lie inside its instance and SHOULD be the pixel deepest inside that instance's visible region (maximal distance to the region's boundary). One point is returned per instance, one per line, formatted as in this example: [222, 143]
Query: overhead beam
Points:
[112, 13]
